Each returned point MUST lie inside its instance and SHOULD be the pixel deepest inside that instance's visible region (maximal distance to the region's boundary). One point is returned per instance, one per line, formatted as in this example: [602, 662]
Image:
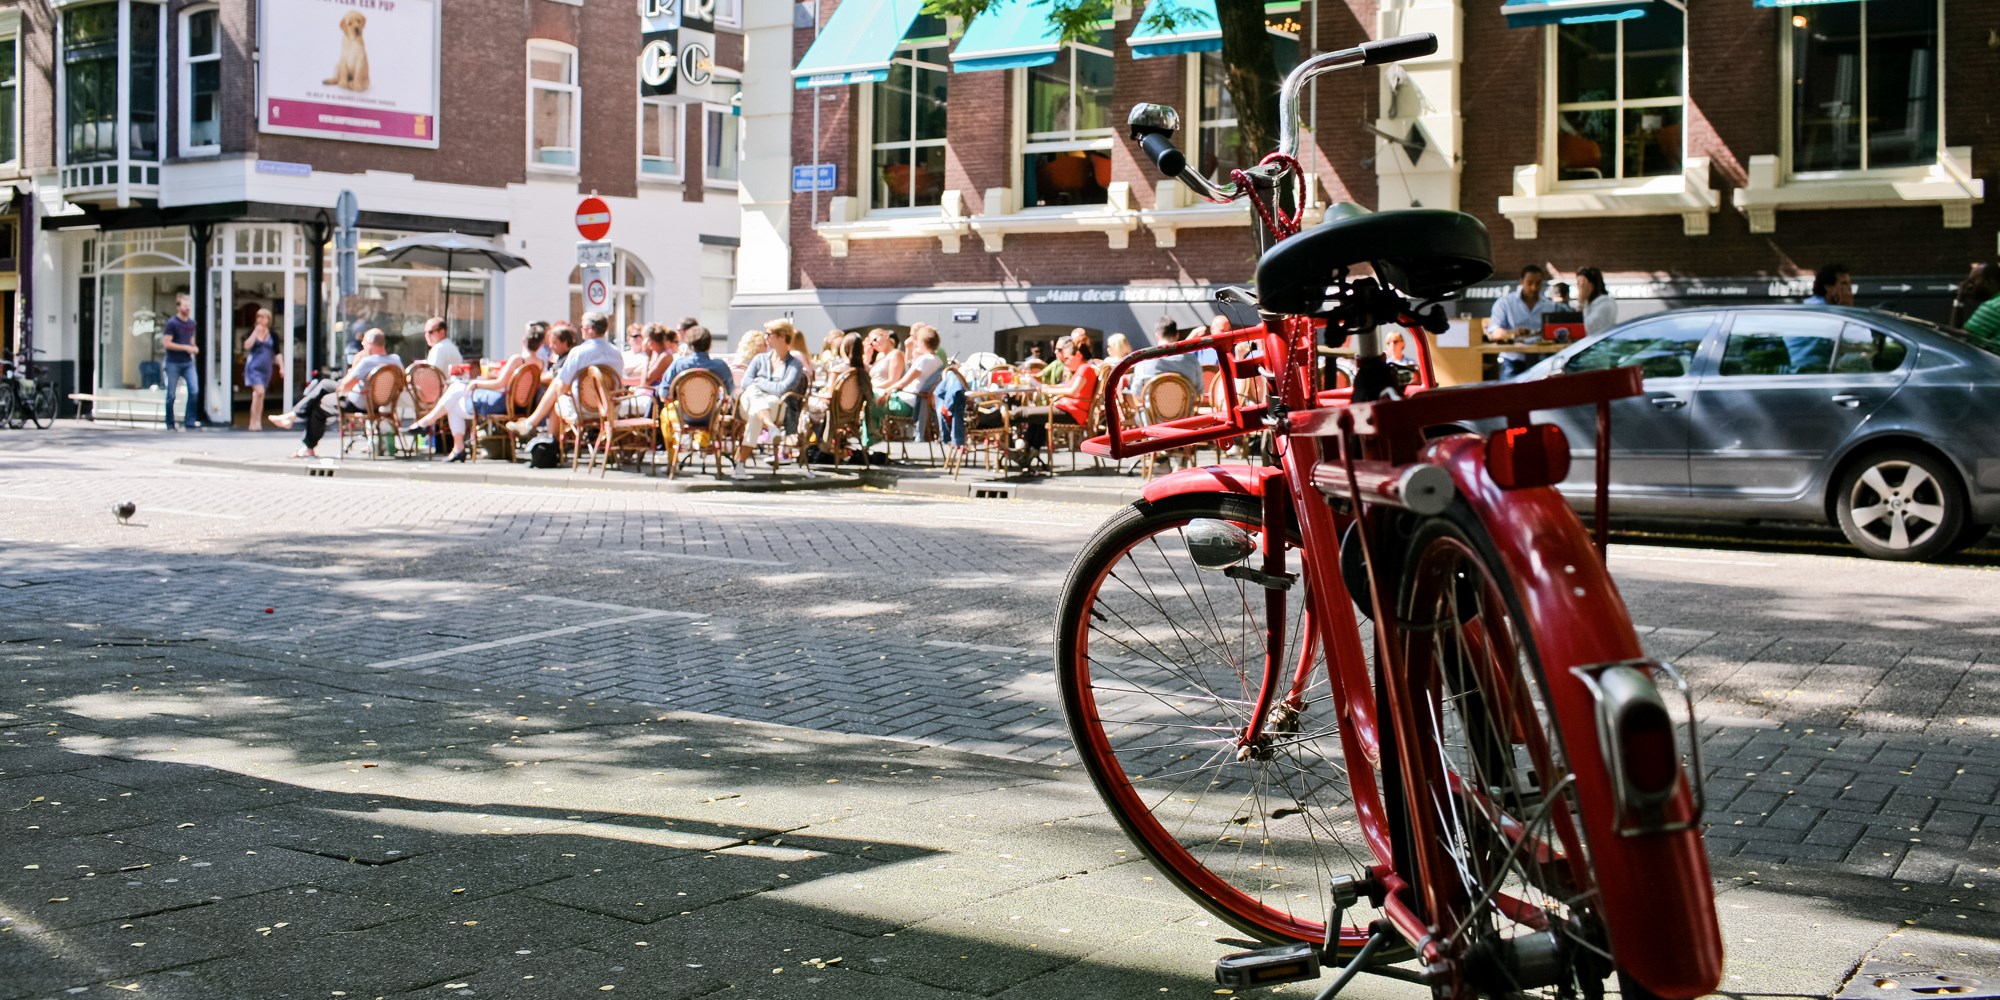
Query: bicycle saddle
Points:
[1424, 253]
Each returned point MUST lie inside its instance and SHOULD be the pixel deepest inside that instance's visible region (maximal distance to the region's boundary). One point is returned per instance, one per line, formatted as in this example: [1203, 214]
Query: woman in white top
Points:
[885, 362]
[1600, 310]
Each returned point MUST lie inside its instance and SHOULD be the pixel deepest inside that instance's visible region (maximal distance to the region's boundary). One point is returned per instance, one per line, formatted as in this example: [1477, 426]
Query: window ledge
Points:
[1948, 184]
[846, 222]
[1116, 218]
[1177, 208]
[1536, 196]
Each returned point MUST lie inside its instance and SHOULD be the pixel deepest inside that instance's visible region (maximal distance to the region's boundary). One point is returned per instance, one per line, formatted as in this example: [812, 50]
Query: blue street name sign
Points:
[809, 177]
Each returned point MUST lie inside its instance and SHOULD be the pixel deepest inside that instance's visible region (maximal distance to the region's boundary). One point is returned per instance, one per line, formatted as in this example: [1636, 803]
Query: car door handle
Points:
[1847, 399]
[1667, 402]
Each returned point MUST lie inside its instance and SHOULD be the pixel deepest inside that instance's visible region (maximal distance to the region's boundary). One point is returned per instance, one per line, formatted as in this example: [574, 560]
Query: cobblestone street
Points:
[1852, 707]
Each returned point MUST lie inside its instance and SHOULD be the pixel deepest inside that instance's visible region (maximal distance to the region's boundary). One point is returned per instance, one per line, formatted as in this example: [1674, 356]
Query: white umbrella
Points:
[449, 251]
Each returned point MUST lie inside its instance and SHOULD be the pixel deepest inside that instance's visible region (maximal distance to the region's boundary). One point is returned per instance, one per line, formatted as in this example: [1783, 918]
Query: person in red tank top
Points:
[1072, 398]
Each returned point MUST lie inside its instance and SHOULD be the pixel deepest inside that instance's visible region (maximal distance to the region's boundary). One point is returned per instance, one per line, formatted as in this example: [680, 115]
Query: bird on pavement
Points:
[124, 511]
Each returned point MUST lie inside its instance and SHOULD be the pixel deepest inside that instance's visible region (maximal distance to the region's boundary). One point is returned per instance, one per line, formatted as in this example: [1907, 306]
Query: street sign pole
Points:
[346, 280]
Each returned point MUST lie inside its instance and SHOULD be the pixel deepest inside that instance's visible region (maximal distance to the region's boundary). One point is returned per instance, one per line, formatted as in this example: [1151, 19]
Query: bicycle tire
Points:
[10, 407]
[42, 407]
[1501, 852]
[1120, 593]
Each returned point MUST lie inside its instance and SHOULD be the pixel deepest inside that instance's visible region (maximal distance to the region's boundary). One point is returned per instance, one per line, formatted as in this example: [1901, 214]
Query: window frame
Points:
[1198, 123]
[573, 88]
[729, 14]
[1552, 108]
[865, 127]
[1787, 137]
[1024, 143]
[678, 109]
[10, 35]
[184, 68]
[709, 179]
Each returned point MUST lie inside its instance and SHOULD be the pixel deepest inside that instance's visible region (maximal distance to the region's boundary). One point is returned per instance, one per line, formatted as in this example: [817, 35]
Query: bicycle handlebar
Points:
[1154, 125]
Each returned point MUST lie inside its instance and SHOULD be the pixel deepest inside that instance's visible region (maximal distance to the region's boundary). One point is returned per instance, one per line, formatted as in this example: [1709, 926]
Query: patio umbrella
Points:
[449, 251]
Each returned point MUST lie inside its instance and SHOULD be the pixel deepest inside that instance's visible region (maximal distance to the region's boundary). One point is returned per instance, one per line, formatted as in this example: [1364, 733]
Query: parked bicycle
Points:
[1379, 700]
[27, 394]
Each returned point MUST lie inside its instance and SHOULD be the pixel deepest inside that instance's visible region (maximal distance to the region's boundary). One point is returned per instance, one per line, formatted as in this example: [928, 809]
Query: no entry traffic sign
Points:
[593, 218]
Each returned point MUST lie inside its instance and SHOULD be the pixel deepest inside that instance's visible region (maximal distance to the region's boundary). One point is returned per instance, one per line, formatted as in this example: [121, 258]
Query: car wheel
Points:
[1901, 505]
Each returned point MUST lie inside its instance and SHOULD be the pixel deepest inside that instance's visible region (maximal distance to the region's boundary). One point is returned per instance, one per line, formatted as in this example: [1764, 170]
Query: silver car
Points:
[1886, 425]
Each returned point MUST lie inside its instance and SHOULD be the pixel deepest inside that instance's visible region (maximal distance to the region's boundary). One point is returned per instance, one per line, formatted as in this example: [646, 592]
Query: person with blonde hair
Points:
[884, 360]
[1116, 346]
[771, 376]
[260, 352]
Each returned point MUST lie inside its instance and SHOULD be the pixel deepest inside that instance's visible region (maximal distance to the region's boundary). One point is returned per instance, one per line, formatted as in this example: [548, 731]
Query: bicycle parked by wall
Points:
[1378, 700]
[27, 393]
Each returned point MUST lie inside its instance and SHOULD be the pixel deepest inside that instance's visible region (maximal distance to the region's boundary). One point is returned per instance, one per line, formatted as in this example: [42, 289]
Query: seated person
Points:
[486, 397]
[311, 407]
[593, 351]
[444, 354]
[846, 356]
[904, 397]
[771, 376]
[698, 340]
[1072, 398]
[1187, 366]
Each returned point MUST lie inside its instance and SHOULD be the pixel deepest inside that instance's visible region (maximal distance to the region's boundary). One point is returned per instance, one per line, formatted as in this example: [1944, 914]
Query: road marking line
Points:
[602, 606]
[975, 646]
[195, 513]
[1687, 559]
[444, 654]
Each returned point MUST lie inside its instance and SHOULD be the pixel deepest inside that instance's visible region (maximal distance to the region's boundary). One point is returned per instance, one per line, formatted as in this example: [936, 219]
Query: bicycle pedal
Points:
[1268, 581]
[1292, 963]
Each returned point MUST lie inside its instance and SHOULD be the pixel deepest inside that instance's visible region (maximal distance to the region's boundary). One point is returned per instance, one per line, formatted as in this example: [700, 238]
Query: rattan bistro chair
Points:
[426, 385]
[842, 420]
[691, 421]
[522, 391]
[1168, 396]
[376, 423]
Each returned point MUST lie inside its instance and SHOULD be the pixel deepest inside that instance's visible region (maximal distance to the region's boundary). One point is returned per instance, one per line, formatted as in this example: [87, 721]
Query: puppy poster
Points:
[359, 70]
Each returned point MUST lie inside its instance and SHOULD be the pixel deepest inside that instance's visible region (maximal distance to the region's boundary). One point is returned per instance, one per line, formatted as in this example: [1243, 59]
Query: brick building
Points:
[167, 147]
[1694, 150]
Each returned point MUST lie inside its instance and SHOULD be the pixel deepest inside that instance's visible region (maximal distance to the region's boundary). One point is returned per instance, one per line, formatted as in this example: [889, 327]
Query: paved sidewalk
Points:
[199, 819]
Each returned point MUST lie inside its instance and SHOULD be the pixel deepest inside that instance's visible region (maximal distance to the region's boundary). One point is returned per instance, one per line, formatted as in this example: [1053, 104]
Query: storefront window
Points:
[1864, 86]
[398, 300]
[90, 82]
[1069, 125]
[907, 160]
[1620, 90]
[138, 275]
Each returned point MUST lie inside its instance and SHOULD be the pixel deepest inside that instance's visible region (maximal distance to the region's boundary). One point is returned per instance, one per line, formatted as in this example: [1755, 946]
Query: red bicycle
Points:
[1379, 699]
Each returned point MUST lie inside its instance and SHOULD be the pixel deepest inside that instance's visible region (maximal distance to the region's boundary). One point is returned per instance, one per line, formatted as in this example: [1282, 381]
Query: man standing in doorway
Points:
[178, 366]
[1517, 319]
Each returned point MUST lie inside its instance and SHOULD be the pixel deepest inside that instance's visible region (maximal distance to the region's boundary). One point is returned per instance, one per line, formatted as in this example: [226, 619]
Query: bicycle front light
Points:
[1214, 544]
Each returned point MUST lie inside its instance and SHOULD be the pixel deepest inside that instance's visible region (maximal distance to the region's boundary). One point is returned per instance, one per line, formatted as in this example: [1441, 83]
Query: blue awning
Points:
[1531, 13]
[1798, 3]
[856, 43]
[1010, 34]
[1198, 29]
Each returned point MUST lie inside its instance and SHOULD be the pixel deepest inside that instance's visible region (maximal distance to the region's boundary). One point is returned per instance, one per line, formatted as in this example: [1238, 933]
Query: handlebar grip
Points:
[1397, 49]
[1161, 148]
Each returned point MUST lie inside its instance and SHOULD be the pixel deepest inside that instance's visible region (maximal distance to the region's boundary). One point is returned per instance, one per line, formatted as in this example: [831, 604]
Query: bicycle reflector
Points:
[1645, 758]
[1522, 457]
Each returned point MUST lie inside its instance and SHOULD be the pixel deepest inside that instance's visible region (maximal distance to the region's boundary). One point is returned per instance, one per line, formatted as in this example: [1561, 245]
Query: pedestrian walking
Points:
[178, 366]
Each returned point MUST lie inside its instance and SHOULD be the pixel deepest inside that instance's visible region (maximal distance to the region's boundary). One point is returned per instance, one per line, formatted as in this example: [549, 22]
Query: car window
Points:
[1663, 348]
[1780, 344]
[1864, 350]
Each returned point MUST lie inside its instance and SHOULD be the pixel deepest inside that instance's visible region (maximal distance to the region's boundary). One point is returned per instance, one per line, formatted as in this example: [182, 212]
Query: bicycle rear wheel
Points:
[1502, 862]
[1160, 663]
[42, 406]
[10, 406]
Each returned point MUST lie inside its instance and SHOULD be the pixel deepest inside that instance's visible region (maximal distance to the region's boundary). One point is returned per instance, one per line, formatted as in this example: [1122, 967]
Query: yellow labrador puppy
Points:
[351, 72]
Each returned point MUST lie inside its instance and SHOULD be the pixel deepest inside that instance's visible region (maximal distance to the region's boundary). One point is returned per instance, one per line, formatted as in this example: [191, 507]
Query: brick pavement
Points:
[1851, 707]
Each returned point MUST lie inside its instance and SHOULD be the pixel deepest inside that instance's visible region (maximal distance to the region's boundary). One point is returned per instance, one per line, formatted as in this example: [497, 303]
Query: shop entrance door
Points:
[235, 317]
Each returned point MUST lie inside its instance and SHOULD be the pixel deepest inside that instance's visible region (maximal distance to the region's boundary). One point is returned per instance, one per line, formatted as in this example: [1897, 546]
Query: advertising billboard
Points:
[360, 70]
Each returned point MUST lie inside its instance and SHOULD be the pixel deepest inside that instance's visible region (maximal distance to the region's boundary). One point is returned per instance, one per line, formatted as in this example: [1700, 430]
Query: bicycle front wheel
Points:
[1498, 840]
[1160, 663]
[42, 406]
[10, 406]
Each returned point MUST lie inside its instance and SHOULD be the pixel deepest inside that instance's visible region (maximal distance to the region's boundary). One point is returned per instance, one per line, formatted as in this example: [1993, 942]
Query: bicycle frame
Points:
[1654, 885]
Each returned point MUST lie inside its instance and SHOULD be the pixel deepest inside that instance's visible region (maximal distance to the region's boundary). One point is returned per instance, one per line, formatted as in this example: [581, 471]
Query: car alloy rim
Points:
[1898, 514]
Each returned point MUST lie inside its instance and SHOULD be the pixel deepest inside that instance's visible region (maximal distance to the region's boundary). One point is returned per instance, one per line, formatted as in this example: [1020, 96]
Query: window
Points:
[723, 144]
[907, 129]
[718, 285]
[661, 126]
[90, 83]
[1661, 349]
[10, 100]
[1864, 83]
[553, 98]
[1762, 344]
[1620, 90]
[1863, 350]
[1220, 142]
[729, 14]
[201, 82]
[144, 66]
[1070, 123]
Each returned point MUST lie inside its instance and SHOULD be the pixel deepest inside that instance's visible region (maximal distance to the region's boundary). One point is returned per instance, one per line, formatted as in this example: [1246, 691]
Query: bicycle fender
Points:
[1657, 901]
[1246, 480]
